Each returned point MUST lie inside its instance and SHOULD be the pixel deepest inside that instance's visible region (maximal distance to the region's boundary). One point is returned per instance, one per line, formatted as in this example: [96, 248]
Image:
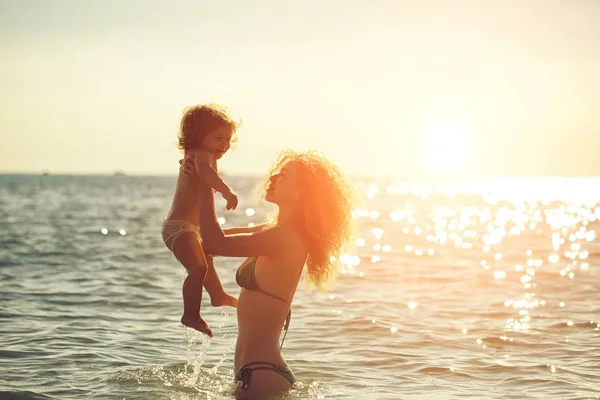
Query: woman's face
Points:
[283, 185]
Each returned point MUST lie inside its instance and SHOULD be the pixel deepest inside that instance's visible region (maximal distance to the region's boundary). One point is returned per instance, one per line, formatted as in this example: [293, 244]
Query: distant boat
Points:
[45, 172]
[119, 173]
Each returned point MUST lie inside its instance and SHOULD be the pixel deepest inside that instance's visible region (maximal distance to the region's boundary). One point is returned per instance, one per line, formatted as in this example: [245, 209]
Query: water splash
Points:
[197, 348]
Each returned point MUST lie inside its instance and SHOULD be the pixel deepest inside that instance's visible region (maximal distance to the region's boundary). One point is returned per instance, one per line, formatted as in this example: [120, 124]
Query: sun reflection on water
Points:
[486, 219]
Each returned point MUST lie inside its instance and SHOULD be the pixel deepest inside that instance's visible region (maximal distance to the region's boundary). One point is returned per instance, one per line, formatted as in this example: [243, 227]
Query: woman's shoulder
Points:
[290, 238]
[283, 230]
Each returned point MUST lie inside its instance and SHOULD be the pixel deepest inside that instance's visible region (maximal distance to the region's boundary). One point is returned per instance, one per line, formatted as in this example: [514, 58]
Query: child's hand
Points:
[232, 200]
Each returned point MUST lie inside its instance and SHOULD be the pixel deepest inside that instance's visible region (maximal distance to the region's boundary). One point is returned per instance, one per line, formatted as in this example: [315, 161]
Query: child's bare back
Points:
[185, 200]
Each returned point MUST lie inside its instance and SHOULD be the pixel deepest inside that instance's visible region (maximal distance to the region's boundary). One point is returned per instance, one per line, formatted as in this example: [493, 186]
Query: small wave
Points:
[23, 395]
[504, 341]
[13, 354]
[574, 325]
[443, 370]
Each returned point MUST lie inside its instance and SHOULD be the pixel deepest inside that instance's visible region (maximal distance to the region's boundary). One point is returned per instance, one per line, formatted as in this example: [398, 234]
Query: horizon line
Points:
[257, 175]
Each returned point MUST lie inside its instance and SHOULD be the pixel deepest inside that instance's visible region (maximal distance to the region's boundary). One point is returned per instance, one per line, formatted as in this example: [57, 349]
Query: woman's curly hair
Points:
[202, 119]
[324, 217]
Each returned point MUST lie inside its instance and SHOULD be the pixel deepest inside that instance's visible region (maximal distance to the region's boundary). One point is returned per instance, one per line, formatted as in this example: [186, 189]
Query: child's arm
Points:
[203, 165]
[203, 161]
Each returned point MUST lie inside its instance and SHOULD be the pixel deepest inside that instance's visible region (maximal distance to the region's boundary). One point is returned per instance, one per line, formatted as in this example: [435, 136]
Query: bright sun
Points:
[446, 145]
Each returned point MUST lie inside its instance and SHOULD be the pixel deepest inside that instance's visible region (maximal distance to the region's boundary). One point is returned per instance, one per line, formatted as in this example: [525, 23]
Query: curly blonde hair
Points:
[201, 119]
[324, 219]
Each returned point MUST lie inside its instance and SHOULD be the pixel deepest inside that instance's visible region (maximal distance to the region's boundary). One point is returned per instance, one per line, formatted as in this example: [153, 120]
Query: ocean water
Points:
[486, 290]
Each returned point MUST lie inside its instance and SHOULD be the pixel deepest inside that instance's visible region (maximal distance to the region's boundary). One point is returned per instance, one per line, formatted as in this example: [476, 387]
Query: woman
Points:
[313, 224]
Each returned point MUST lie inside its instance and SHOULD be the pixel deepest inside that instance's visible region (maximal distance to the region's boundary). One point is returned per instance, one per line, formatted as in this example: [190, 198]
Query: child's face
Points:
[218, 141]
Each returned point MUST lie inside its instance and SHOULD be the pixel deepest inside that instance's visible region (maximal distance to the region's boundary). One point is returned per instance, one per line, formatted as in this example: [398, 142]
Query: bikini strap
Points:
[245, 373]
[286, 326]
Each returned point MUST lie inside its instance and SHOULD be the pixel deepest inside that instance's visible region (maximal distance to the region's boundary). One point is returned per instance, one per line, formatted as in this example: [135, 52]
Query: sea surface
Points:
[481, 290]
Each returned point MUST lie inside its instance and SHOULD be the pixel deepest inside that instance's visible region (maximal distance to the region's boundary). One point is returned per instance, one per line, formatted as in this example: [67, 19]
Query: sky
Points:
[461, 88]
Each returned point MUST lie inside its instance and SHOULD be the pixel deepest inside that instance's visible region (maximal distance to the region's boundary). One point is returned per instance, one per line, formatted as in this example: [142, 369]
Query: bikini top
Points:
[246, 278]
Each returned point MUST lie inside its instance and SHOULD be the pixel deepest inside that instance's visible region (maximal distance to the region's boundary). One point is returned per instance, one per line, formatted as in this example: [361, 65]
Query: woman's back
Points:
[260, 323]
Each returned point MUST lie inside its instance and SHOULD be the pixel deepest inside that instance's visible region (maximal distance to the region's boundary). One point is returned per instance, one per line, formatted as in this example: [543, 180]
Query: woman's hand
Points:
[188, 166]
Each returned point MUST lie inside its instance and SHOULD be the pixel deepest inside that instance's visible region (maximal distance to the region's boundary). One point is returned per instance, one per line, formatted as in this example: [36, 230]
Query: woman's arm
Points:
[244, 229]
[268, 242]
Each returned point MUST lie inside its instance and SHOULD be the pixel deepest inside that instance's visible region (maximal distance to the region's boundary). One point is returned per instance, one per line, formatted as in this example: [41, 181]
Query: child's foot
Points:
[197, 324]
[223, 299]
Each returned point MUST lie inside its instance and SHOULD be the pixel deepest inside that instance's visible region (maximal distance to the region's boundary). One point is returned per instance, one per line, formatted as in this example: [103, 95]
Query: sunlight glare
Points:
[446, 144]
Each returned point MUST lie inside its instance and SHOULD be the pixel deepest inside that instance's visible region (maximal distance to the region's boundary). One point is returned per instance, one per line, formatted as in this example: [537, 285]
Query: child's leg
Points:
[213, 286]
[188, 250]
